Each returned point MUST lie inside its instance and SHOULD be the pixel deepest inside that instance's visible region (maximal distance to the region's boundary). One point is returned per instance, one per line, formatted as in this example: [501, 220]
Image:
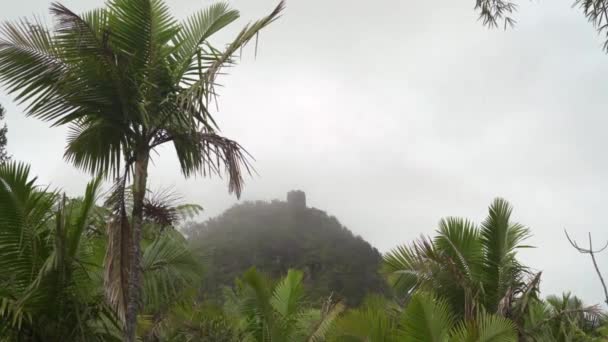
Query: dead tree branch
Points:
[591, 252]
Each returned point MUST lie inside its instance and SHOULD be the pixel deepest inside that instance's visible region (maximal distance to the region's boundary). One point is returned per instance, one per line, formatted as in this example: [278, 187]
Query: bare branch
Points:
[591, 252]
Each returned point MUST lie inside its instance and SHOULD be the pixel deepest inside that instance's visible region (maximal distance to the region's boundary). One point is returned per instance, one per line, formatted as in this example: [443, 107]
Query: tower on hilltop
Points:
[296, 199]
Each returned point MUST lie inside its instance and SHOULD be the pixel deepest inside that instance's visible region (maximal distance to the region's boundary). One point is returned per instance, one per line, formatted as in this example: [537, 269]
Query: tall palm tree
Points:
[474, 268]
[127, 79]
[51, 261]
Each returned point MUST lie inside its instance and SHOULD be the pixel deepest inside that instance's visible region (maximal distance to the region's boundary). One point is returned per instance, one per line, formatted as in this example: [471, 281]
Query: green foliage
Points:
[377, 319]
[50, 275]
[425, 318]
[168, 267]
[274, 312]
[485, 328]
[466, 272]
[191, 321]
[51, 264]
[128, 78]
[51, 283]
[473, 268]
[429, 318]
[563, 318]
[274, 238]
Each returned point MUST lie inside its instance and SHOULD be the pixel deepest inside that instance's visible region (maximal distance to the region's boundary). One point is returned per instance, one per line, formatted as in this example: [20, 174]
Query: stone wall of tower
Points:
[296, 199]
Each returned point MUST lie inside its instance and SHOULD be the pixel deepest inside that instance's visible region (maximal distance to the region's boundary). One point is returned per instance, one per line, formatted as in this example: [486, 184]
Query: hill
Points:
[278, 235]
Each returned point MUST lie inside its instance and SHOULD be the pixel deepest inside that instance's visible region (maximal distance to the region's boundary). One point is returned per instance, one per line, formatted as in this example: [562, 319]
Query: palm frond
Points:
[48, 276]
[196, 30]
[492, 12]
[485, 328]
[84, 214]
[25, 211]
[196, 96]
[21, 237]
[188, 211]
[141, 28]
[501, 238]
[596, 12]
[258, 287]
[207, 153]
[31, 67]
[163, 209]
[426, 319]
[94, 85]
[459, 238]
[168, 268]
[408, 267]
[96, 147]
[375, 320]
[288, 294]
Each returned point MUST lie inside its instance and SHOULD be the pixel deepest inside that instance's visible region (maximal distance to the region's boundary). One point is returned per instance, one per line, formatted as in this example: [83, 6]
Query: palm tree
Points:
[127, 79]
[269, 312]
[562, 319]
[429, 318]
[426, 318]
[474, 268]
[51, 261]
[50, 271]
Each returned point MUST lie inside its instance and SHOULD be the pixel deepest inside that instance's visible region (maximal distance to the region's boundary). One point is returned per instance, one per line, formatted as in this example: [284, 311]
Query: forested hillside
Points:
[276, 236]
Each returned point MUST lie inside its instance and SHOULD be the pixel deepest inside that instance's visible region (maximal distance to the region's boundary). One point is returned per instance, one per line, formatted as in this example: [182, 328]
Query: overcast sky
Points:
[391, 114]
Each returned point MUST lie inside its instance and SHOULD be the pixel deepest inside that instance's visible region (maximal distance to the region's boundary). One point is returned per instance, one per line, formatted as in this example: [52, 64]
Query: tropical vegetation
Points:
[465, 284]
[52, 251]
[119, 263]
[127, 79]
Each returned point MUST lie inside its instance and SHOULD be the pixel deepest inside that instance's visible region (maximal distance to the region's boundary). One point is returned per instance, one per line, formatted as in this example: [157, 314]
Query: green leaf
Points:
[427, 319]
[485, 328]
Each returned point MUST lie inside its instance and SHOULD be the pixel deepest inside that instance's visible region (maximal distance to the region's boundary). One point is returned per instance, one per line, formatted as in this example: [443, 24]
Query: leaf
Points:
[426, 319]
[288, 294]
[485, 328]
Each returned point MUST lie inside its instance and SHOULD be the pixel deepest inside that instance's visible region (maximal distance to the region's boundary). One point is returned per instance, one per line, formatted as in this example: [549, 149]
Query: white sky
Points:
[391, 114]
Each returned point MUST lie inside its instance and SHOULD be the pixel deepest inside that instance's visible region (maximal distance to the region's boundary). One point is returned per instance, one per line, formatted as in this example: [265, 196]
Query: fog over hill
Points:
[278, 235]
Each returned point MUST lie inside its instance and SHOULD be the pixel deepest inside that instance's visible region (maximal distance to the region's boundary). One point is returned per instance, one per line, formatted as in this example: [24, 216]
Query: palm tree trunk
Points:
[140, 178]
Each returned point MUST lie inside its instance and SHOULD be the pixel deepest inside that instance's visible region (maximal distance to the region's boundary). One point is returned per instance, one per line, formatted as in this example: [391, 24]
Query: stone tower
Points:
[296, 199]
